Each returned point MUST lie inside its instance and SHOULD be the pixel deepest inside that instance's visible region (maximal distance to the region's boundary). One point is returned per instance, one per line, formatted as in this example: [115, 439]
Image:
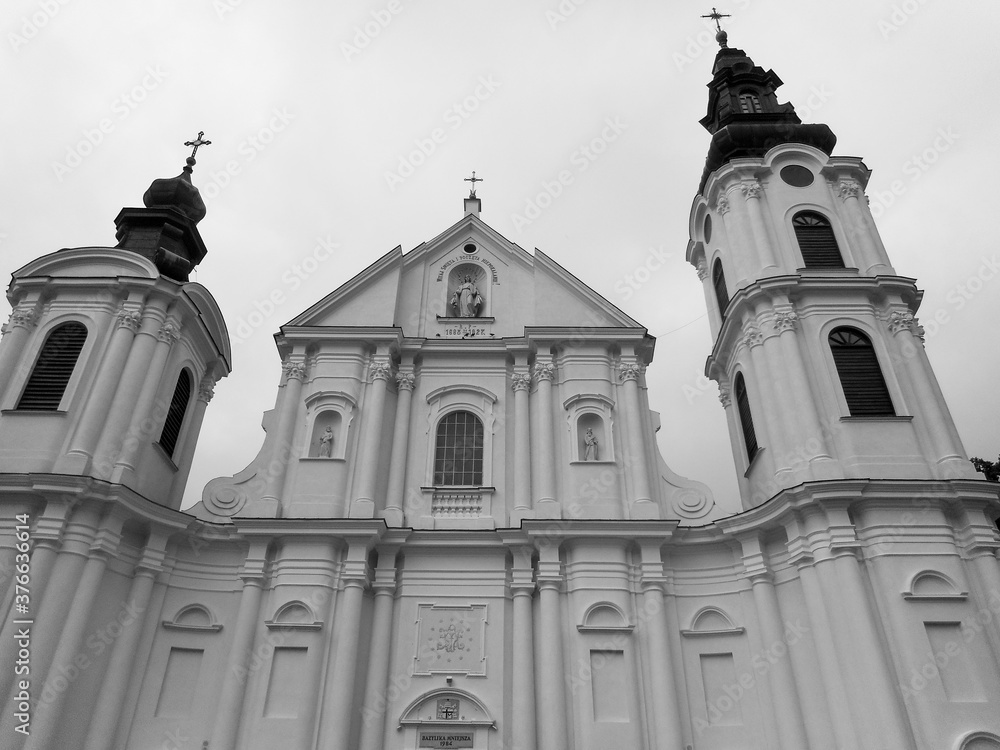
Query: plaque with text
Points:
[432, 738]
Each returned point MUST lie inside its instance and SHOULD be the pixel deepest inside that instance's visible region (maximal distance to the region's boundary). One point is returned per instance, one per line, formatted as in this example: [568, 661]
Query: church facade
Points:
[458, 531]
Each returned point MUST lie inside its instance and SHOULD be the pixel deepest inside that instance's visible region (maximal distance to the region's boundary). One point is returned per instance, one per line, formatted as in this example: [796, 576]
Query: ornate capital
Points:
[130, 319]
[380, 369]
[629, 371]
[295, 370]
[752, 189]
[405, 381]
[169, 333]
[722, 204]
[784, 320]
[904, 321]
[752, 336]
[702, 268]
[544, 371]
[725, 396]
[520, 381]
[206, 389]
[849, 189]
[22, 317]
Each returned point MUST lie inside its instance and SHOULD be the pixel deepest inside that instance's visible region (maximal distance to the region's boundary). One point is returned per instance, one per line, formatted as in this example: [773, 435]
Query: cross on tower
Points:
[473, 180]
[716, 16]
[198, 142]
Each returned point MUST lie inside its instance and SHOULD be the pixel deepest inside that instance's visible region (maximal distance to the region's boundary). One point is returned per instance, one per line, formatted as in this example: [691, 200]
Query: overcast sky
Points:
[315, 110]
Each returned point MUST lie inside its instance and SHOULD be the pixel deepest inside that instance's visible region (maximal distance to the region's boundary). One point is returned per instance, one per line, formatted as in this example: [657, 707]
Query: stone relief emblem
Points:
[450, 640]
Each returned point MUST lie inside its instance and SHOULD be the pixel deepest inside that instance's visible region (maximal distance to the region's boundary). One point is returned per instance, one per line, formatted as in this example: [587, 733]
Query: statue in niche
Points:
[326, 443]
[590, 446]
[466, 300]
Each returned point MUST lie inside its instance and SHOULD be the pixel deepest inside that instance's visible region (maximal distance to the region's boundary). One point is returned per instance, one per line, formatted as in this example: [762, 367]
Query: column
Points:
[394, 514]
[143, 418]
[129, 385]
[295, 373]
[115, 685]
[521, 385]
[829, 666]
[546, 505]
[637, 445]
[780, 677]
[338, 703]
[229, 710]
[522, 688]
[49, 709]
[740, 256]
[375, 705]
[776, 419]
[16, 334]
[883, 698]
[875, 258]
[666, 706]
[753, 191]
[371, 451]
[551, 706]
[98, 402]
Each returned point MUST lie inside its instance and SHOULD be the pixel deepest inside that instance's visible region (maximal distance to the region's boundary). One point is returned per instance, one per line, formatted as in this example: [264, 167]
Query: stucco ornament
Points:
[849, 189]
[22, 317]
[295, 370]
[629, 371]
[784, 320]
[129, 319]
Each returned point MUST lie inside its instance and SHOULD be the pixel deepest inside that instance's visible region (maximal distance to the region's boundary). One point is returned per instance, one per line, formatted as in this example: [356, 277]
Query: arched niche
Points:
[589, 425]
[979, 741]
[196, 617]
[333, 411]
[468, 292]
[294, 615]
[933, 585]
[712, 620]
[604, 617]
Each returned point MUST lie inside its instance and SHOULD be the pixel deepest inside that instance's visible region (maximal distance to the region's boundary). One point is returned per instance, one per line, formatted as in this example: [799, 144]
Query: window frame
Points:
[850, 399]
[68, 386]
[811, 258]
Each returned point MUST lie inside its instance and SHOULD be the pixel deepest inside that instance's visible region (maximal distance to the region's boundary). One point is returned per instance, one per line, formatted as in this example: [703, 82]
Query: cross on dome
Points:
[473, 180]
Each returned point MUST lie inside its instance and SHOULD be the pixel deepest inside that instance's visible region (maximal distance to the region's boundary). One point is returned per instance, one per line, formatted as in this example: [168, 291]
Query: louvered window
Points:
[175, 414]
[817, 241]
[746, 418]
[719, 282]
[860, 374]
[54, 368]
[458, 453]
[750, 104]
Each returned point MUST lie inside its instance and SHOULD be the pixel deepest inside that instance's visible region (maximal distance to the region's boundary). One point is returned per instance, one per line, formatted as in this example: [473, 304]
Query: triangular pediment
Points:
[468, 281]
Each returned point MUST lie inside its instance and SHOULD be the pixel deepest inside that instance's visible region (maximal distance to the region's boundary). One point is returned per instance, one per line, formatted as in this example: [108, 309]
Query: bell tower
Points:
[108, 361]
[818, 356]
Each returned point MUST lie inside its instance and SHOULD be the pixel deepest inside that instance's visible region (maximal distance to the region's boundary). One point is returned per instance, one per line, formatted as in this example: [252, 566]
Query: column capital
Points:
[129, 317]
[294, 370]
[522, 588]
[752, 189]
[725, 396]
[904, 320]
[23, 316]
[752, 336]
[629, 371]
[722, 204]
[380, 369]
[702, 268]
[544, 371]
[520, 381]
[169, 332]
[785, 320]
[405, 381]
[849, 189]
[206, 389]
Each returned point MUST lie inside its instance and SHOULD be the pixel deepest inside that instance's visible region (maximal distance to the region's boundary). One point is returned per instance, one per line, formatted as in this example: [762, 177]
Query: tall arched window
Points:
[175, 414]
[54, 368]
[816, 240]
[750, 103]
[458, 452]
[719, 282]
[746, 418]
[860, 374]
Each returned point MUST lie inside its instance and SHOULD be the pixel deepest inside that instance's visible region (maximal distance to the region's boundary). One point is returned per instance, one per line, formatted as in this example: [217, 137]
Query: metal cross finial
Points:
[473, 180]
[716, 16]
[197, 142]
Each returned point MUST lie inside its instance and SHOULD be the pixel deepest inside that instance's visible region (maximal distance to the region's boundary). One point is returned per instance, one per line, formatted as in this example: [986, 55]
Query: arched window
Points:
[746, 418]
[175, 414]
[54, 368]
[458, 452]
[860, 374]
[816, 240]
[719, 282]
[750, 103]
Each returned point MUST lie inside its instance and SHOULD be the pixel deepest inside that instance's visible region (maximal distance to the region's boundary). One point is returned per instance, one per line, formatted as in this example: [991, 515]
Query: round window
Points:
[797, 176]
[470, 248]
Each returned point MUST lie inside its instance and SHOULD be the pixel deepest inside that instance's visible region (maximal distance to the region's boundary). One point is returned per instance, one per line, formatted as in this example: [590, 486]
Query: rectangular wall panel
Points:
[952, 658]
[608, 681]
[722, 690]
[179, 682]
[285, 686]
